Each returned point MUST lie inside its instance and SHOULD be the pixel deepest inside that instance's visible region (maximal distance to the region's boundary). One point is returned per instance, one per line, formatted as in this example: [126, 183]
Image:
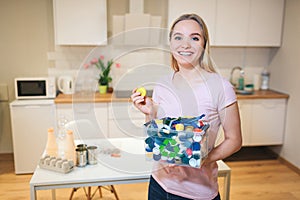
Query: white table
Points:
[130, 167]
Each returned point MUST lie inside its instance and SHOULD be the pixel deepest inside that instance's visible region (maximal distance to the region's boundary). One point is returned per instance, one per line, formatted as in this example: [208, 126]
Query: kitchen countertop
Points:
[110, 97]
[264, 94]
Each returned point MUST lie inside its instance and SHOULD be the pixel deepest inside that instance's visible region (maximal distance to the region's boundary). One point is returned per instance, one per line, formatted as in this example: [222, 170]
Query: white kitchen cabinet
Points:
[124, 120]
[204, 8]
[249, 22]
[87, 120]
[30, 120]
[80, 22]
[235, 22]
[268, 121]
[113, 120]
[231, 26]
[265, 23]
[262, 122]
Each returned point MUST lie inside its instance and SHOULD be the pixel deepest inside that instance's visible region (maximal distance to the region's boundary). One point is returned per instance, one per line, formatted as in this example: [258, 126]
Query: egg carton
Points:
[56, 164]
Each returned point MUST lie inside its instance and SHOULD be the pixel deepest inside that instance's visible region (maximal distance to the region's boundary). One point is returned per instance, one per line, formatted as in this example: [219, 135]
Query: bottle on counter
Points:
[70, 148]
[265, 78]
[241, 80]
[51, 146]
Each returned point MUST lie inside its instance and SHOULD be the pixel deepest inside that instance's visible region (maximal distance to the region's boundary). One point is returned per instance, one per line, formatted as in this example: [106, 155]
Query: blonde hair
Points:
[205, 60]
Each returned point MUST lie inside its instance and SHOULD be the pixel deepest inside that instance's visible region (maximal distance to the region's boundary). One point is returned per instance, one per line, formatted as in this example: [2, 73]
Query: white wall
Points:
[25, 37]
[285, 73]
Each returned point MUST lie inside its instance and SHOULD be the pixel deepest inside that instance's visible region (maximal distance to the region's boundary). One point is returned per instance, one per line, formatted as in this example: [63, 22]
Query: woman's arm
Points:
[230, 120]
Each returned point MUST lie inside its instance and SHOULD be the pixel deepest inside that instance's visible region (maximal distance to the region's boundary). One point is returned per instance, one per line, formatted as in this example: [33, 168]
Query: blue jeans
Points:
[156, 192]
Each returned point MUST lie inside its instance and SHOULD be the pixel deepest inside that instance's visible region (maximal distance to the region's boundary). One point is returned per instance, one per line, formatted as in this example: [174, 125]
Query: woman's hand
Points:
[143, 103]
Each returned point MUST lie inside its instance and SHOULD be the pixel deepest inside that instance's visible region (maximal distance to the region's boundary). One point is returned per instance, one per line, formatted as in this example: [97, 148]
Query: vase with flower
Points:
[104, 76]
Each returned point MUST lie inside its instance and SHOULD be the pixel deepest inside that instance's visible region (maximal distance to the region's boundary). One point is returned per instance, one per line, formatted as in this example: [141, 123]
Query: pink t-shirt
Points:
[178, 97]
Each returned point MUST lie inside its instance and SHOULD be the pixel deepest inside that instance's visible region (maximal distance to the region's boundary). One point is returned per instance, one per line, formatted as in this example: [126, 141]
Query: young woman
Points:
[193, 89]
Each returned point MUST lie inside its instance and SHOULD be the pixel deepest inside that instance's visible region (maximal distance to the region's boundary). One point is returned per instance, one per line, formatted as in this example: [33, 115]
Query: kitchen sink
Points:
[243, 92]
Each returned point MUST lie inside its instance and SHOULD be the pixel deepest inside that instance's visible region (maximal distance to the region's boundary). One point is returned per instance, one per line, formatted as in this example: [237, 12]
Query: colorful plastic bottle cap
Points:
[196, 146]
[177, 160]
[189, 151]
[149, 155]
[189, 134]
[142, 91]
[193, 162]
[187, 143]
[179, 127]
[156, 157]
[148, 149]
[182, 138]
[185, 160]
[167, 127]
[189, 128]
[156, 151]
[182, 147]
[197, 137]
[169, 147]
[197, 130]
[166, 131]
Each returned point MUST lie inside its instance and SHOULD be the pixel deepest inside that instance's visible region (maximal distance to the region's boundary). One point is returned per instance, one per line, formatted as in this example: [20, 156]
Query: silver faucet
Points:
[231, 74]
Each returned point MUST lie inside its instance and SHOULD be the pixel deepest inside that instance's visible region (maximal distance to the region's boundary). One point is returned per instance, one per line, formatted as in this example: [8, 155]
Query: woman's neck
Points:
[191, 73]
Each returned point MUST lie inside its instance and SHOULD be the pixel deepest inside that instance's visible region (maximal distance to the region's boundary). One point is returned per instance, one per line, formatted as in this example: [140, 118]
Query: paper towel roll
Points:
[256, 81]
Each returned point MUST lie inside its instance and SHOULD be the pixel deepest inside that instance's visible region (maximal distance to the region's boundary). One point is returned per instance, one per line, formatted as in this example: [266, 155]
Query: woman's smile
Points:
[185, 53]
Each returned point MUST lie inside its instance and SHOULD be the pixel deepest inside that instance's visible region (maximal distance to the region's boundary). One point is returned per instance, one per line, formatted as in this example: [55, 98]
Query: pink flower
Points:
[102, 57]
[94, 61]
[85, 66]
[118, 65]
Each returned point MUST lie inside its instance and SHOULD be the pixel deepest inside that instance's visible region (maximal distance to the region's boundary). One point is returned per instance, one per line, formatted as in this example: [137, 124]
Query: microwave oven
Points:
[35, 88]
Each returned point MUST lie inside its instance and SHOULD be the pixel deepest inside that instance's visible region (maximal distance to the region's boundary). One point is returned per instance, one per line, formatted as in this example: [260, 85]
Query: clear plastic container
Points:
[181, 141]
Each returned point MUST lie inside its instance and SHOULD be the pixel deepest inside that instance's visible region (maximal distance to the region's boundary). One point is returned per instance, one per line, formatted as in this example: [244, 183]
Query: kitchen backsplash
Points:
[142, 66]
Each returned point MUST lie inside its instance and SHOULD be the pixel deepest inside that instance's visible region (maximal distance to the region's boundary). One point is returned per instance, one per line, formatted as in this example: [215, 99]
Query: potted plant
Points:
[104, 75]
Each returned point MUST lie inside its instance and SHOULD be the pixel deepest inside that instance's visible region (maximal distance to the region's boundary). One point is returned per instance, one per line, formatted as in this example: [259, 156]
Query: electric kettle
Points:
[65, 84]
